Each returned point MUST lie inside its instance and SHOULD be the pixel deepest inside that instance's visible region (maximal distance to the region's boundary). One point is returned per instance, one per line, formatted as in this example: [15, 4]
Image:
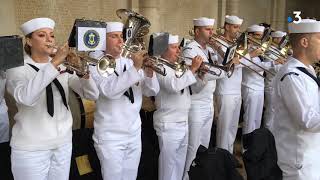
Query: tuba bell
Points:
[135, 27]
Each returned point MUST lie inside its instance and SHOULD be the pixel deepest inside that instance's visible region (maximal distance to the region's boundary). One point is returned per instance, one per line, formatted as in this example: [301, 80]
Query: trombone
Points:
[281, 50]
[79, 62]
[241, 50]
[241, 39]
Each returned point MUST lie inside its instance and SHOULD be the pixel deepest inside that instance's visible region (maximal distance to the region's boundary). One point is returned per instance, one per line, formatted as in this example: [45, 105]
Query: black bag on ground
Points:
[260, 158]
[5, 161]
[85, 164]
[214, 164]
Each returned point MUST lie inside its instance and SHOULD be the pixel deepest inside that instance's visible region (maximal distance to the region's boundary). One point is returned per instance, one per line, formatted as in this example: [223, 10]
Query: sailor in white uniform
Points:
[296, 100]
[117, 123]
[228, 93]
[253, 86]
[171, 117]
[41, 139]
[268, 89]
[201, 112]
[4, 119]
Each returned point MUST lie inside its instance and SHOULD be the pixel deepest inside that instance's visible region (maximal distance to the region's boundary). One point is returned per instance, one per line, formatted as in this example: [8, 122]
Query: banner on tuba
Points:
[11, 52]
[88, 35]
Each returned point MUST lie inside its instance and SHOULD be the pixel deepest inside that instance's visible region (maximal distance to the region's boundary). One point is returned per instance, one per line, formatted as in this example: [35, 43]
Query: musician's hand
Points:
[201, 75]
[235, 60]
[196, 63]
[148, 71]
[138, 59]
[257, 52]
[280, 61]
[85, 76]
[61, 55]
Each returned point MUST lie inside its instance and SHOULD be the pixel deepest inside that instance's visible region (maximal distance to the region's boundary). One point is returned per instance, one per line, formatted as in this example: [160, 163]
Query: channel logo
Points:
[296, 19]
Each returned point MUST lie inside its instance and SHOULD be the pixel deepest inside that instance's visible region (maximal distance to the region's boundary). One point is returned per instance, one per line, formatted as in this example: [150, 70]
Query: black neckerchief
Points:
[49, 93]
[129, 93]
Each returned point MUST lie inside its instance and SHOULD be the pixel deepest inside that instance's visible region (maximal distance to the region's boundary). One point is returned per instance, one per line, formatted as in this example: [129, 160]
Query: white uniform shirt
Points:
[296, 125]
[116, 117]
[269, 78]
[232, 85]
[3, 106]
[253, 80]
[173, 105]
[204, 96]
[35, 129]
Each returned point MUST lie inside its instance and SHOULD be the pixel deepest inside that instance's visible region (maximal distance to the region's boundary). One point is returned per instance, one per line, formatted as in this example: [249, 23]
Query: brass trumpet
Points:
[158, 66]
[211, 68]
[79, 62]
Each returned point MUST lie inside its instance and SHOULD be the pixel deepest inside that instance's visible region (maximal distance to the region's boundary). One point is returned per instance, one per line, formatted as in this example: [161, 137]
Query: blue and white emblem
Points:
[91, 39]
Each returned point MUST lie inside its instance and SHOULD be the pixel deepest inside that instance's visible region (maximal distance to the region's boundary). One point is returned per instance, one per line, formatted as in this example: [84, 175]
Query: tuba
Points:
[135, 27]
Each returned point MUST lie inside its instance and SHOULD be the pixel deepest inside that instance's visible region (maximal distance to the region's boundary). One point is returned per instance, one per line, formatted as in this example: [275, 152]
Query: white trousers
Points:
[269, 110]
[173, 143]
[253, 107]
[227, 124]
[4, 127]
[119, 159]
[307, 172]
[200, 123]
[42, 165]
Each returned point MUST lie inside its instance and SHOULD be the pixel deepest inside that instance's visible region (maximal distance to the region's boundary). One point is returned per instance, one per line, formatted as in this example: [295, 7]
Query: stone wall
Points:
[174, 16]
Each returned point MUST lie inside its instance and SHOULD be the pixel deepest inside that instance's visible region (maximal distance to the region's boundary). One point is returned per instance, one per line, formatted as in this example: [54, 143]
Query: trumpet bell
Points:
[180, 69]
[106, 65]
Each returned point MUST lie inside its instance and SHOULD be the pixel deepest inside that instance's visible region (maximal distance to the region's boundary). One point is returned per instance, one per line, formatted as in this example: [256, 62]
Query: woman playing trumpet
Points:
[171, 117]
[42, 135]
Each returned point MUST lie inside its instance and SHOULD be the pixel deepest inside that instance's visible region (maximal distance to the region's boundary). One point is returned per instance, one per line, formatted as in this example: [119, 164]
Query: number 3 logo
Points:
[297, 17]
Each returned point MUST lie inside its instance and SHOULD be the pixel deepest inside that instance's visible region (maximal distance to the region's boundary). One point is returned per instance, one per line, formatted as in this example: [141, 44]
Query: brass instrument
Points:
[158, 66]
[240, 42]
[136, 26]
[211, 68]
[242, 49]
[79, 62]
[281, 50]
[228, 68]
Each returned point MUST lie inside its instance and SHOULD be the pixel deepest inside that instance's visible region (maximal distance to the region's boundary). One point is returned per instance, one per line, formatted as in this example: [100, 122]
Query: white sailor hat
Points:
[255, 28]
[233, 20]
[36, 24]
[203, 21]
[173, 39]
[278, 34]
[114, 27]
[305, 26]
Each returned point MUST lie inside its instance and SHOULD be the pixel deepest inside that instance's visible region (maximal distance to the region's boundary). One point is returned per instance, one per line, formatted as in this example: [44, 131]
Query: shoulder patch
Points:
[289, 73]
